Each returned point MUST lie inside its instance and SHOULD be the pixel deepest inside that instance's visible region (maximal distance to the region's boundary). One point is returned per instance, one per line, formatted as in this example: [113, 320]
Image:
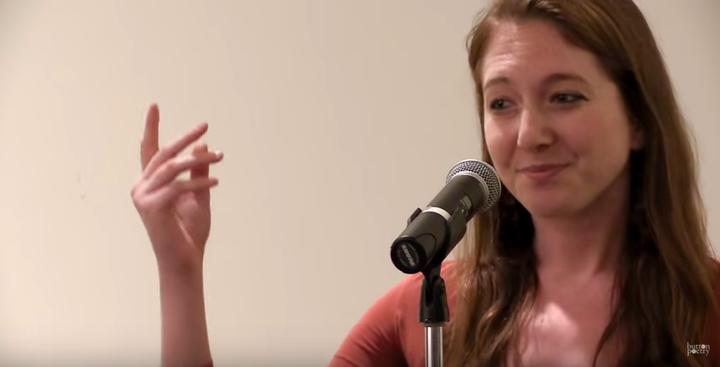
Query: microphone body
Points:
[471, 187]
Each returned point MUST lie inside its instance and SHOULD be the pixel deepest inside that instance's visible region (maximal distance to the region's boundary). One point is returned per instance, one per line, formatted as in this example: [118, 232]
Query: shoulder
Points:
[390, 333]
[410, 329]
[407, 292]
[402, 300]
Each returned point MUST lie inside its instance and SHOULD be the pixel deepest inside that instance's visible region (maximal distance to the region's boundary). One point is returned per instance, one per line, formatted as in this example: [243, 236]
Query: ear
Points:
[637, 137]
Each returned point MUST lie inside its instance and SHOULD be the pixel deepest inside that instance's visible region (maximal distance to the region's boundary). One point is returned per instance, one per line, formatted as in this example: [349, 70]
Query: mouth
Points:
[542, 171]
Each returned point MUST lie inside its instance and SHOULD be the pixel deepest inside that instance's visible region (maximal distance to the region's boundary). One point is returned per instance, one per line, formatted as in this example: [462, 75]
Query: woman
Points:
[596, 254]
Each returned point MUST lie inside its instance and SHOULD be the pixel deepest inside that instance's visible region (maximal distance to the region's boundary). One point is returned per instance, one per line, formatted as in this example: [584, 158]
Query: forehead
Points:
[534, 48]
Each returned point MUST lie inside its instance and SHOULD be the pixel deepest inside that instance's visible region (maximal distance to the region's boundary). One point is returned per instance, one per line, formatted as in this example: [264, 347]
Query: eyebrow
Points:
[550, 79]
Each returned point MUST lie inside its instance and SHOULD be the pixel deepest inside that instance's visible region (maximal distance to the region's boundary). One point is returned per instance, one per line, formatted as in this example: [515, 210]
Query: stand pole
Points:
[433, 345]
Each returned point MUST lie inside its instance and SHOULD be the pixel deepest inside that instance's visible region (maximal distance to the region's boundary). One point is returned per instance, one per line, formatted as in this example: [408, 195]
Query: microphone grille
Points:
[487, 173]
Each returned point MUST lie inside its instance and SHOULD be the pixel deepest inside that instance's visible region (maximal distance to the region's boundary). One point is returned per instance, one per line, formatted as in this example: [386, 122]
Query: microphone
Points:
[471, 187]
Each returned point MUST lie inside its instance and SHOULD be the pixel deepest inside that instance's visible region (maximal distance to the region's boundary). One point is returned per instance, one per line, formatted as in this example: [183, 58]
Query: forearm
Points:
[184, 327]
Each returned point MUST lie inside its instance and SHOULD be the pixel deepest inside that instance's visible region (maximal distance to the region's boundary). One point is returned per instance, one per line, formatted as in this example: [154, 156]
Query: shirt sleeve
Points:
[374, 341]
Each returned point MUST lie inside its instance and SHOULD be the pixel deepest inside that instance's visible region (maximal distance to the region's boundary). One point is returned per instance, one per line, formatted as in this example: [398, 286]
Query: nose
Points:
[534, 132]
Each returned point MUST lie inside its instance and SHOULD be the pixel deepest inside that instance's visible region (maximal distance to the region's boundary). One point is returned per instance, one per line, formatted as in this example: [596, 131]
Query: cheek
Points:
[579, 139]
[600, 146]
[500, 144]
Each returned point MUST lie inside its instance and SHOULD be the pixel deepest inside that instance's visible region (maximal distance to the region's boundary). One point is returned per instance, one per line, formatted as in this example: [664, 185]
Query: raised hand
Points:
[174, 211]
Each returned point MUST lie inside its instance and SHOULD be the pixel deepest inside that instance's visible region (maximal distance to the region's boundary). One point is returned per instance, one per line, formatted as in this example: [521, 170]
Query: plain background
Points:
[337, 118]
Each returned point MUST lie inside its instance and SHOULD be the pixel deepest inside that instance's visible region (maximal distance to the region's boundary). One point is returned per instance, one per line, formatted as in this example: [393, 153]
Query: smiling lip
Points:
[543, 171]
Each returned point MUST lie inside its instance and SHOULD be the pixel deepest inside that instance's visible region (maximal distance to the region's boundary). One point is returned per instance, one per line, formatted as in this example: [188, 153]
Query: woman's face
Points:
[554, 122]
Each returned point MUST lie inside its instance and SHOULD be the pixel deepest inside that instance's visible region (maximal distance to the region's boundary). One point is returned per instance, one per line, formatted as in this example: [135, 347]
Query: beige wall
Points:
[337, 118]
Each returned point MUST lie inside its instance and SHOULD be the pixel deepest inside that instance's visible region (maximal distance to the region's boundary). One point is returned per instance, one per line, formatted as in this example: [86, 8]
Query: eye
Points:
[498, 104]
[567, 98]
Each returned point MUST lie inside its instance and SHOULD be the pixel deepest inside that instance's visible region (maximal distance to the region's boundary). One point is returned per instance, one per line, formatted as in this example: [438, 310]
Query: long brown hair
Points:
[665, 285]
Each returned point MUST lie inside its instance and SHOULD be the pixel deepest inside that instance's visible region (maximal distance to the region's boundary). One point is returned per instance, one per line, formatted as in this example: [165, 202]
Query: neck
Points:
[586, 244]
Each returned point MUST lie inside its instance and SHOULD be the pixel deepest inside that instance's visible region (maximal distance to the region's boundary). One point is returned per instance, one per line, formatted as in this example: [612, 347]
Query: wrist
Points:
[182, 270]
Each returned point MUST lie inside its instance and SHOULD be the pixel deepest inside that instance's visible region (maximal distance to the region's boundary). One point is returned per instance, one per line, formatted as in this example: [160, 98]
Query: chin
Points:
[552, 211]
[549, 205]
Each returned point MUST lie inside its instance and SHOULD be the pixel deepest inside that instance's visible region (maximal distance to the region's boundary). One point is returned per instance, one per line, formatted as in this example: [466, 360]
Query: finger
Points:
[201, 170]
[173, 168]
[149, 144]
[166, 195]
[174, 147]
[201, 196]
[200, 148]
